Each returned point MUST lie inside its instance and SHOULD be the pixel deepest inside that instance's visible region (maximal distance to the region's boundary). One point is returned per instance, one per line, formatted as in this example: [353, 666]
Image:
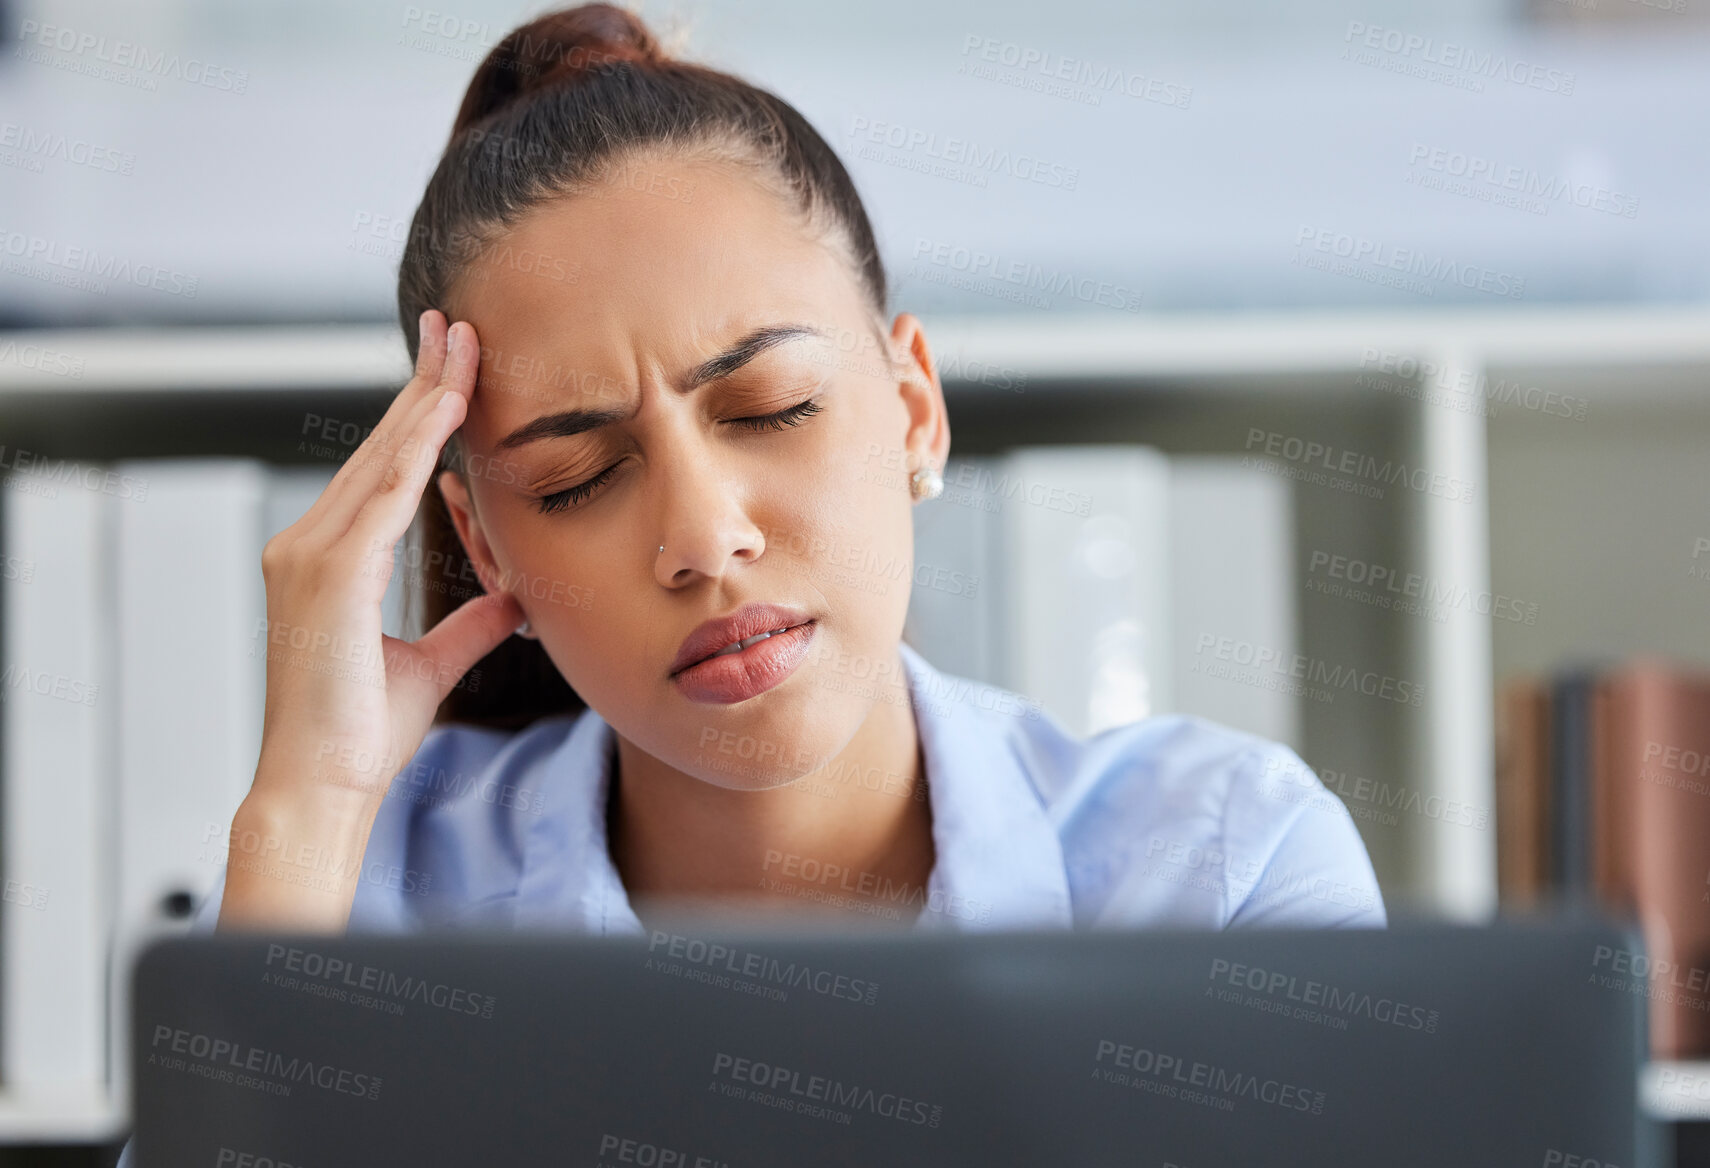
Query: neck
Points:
[853, 838]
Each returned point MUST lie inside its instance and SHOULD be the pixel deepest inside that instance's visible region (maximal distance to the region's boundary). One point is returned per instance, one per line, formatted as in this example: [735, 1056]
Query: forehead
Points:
[667, 255]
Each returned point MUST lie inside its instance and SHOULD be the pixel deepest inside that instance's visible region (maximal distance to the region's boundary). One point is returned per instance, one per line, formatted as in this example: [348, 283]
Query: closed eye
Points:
[578, 494]
[788, 417]
[573, 496]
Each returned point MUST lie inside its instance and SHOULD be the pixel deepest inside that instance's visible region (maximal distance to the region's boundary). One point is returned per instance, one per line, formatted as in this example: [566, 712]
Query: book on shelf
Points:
[1522, 793]
[135, 663]
[56, 708]
[1087, 578]
[1603, 795]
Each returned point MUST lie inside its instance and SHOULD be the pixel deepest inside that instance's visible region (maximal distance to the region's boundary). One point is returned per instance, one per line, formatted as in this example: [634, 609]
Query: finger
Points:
[386, 514]
[410, 450]
[360, 467]
[432, 423]
[460, 376]
[430, 345]
[457, 374]
[466, 635]
[453, 344]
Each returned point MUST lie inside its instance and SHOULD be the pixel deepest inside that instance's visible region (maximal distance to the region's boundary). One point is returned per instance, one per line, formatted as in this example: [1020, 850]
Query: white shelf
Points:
[203, 359]
[1046, 345]
[91, 1116]
[1676, 1091]
[1055, 345]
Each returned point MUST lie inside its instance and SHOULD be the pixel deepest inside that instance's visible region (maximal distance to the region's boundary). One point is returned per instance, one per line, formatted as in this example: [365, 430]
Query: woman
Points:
[648, 322]
[647, 318]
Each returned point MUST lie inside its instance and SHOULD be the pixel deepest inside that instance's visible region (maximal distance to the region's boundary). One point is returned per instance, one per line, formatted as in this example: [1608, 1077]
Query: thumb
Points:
[468, 634]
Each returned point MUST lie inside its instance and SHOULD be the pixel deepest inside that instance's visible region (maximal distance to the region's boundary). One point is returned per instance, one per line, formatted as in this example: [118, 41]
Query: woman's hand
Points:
[347, 706]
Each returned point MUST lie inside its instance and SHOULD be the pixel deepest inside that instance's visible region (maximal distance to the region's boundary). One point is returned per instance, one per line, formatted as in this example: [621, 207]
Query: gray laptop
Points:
[759, 1048]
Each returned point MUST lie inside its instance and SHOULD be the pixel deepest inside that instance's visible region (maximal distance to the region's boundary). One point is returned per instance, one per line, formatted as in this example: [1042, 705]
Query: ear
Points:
[928, 437]
[462, 511]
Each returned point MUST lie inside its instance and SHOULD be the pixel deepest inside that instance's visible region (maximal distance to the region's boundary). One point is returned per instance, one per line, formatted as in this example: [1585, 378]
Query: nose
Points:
[706, 526]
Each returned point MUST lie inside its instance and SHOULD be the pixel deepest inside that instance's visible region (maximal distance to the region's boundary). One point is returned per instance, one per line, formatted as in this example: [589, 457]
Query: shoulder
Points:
[1175, 819]
[453, 828]
[447, 844]
[460, 765]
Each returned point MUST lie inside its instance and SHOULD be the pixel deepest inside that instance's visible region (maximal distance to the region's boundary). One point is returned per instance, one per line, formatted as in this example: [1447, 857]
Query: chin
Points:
[753, 758]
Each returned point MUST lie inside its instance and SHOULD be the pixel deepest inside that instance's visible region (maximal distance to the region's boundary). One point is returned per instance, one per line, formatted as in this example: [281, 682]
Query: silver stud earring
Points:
[526, 630]
[926, 483]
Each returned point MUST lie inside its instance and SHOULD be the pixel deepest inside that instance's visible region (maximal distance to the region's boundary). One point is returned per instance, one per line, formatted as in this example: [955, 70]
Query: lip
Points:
[736, 676]
[710, 636]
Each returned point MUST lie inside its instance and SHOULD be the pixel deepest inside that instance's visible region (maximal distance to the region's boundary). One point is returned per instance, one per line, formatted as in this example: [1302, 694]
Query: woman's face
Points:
[684, 298]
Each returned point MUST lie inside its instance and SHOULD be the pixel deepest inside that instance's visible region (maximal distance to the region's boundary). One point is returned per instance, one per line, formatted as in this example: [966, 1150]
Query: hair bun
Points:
[552, 50]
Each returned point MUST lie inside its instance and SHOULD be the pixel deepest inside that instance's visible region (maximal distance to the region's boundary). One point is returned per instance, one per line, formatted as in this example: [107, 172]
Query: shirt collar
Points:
[999, 860]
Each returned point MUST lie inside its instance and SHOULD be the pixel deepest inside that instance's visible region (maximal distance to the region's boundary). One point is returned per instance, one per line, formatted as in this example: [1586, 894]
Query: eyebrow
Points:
[569, 423]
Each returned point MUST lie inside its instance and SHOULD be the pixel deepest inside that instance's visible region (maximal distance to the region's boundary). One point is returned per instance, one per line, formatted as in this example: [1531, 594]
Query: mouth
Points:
[737, 633]
[732, 658]
[749, 642]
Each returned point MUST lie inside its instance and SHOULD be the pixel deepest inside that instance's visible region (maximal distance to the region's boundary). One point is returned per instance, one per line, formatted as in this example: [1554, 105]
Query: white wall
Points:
[263, 197]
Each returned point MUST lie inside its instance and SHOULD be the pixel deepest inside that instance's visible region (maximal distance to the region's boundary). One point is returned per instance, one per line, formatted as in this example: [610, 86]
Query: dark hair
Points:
[558, 106]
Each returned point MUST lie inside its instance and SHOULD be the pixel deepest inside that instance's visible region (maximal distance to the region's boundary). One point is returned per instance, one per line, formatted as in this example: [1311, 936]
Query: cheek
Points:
[559, 586]
[845, 535]
[602, 631]
[871, 458]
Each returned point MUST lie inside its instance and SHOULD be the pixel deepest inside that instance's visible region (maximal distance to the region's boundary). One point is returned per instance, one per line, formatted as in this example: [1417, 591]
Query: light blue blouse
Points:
[1170, 821]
